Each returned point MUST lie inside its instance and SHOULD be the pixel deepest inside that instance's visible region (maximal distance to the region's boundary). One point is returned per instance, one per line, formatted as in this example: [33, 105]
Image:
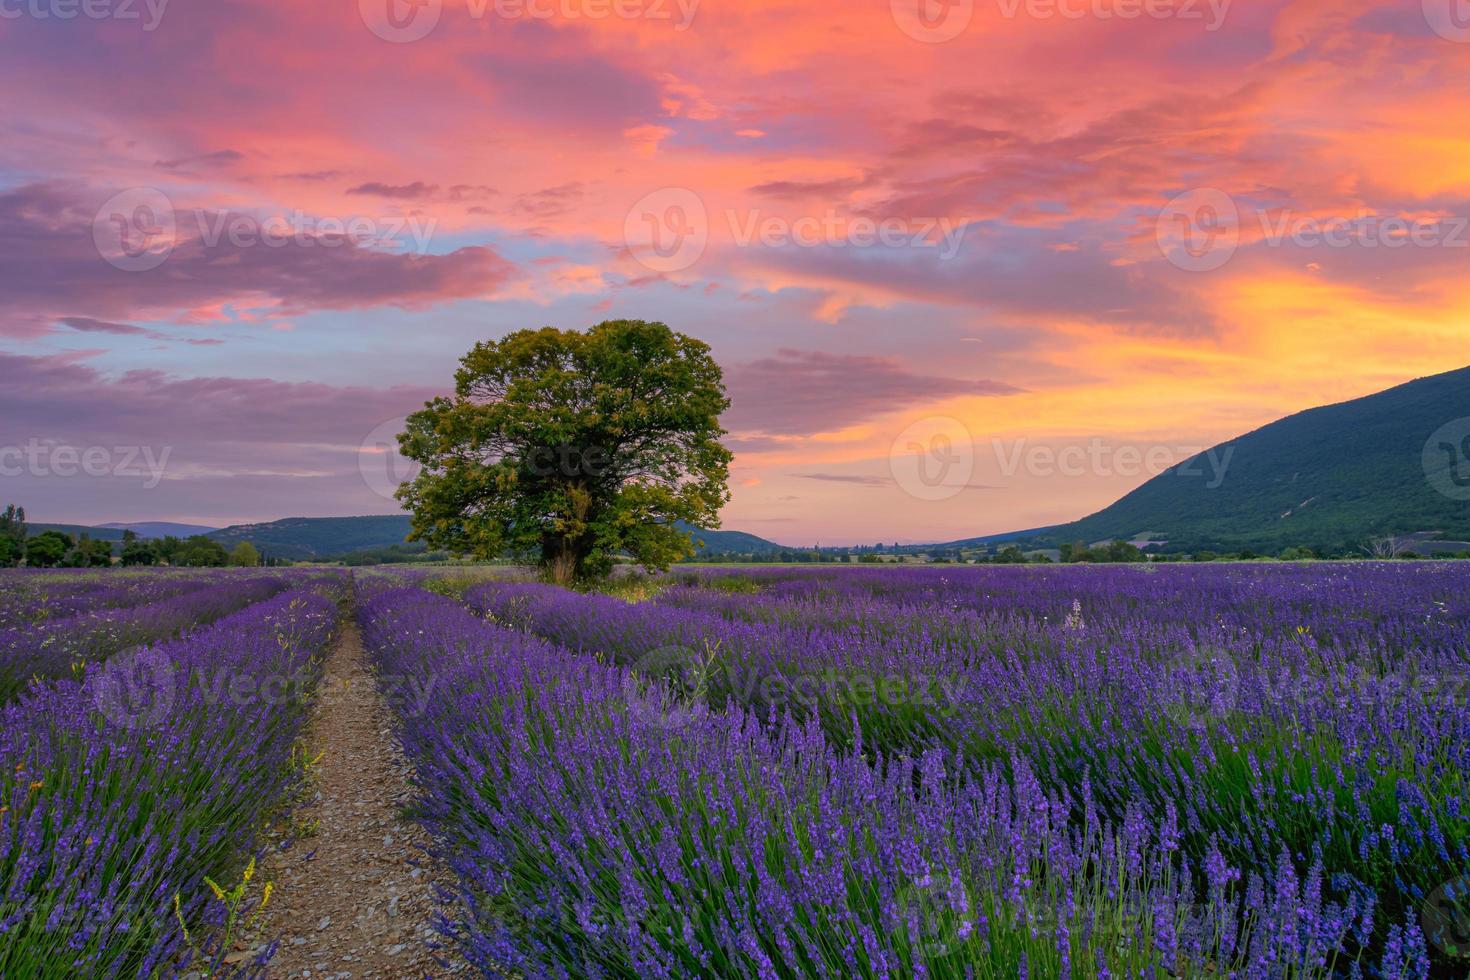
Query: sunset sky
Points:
[968, 267]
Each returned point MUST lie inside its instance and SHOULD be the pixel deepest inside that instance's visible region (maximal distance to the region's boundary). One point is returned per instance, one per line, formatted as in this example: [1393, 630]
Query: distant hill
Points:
[308, 538]
[985, 539]
[77, 530]
[1329, 478]
[731, 542]
[159, 529]
[305, 538]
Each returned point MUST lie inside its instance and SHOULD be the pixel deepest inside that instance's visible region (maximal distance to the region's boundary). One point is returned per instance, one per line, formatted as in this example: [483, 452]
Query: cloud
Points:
[235, 447]
[801, 392]
[85, 324]
[416, 191]
[219, 158]
[51, 270]
[852, 478]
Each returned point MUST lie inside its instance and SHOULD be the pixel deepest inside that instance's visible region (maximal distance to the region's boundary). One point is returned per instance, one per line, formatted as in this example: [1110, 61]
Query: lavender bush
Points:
[120, 792]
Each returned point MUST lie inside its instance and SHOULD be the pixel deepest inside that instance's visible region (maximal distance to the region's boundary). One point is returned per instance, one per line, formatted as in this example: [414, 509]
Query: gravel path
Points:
[354, 899]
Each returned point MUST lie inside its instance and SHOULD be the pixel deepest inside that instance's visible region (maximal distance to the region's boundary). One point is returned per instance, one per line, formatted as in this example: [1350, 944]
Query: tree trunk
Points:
[561, 558]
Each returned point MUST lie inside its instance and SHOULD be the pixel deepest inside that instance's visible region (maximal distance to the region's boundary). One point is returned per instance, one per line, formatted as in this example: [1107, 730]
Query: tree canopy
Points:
[574, 446]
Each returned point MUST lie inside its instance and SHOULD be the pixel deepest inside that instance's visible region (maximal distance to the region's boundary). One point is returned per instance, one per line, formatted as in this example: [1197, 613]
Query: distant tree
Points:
[1076, 551]
[244, 555]
[47, 549]
[13, 524]
[89, 553]
[1388, 546]
[139, 552]
[197, 551]
[576, 446]
[1009, 555]
[167, 549]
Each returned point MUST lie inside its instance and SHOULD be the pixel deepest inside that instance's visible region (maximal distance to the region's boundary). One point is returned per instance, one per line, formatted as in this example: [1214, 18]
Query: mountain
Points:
[99, 533]
[305, 538]
[1396, 462]
[159, 529]
[985, 539]
[730, 542]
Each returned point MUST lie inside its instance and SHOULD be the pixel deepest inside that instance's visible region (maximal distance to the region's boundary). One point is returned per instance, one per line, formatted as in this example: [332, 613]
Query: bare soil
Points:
[354, 896]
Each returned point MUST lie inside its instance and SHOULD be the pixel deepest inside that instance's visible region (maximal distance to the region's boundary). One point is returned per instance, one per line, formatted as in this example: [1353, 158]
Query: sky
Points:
[969, 266]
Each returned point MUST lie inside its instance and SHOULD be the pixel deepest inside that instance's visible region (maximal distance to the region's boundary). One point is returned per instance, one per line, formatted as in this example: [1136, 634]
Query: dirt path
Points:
[354, 897]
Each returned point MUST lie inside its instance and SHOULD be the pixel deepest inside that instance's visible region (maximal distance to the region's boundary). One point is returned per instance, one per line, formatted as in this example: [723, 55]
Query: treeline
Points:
[1073, 553]
[57, 549]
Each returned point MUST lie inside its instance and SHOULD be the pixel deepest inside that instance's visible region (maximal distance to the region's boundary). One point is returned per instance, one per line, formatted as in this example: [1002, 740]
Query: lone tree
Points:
[576, 446]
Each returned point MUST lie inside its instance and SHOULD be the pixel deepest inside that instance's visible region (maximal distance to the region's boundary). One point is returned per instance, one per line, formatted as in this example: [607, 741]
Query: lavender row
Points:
[66, 647]
[1263, 740]
[600, 827]
[111, 590]
[119, 793]
[1399, 608]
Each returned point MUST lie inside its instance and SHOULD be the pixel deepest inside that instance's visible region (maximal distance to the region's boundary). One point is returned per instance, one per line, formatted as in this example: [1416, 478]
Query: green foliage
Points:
[47, 549]
[13, 523]
[90, 554]
[139, 552]
[197, 551]
[576, 446]
[1113, 551]
[244, 555]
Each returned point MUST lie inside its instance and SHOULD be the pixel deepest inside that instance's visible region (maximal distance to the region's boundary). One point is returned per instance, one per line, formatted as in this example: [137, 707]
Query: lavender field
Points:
[1249, 770]
[1253, 770]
